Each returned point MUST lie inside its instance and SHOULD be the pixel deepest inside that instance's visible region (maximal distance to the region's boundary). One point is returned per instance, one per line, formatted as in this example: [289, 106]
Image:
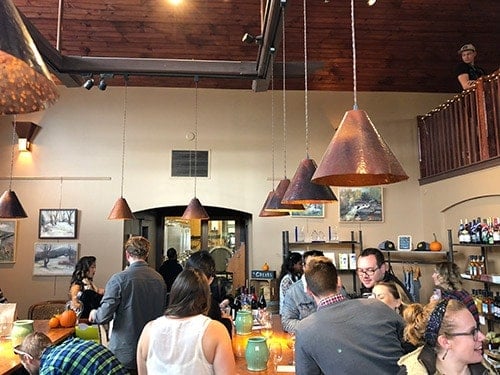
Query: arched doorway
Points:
[225, 233]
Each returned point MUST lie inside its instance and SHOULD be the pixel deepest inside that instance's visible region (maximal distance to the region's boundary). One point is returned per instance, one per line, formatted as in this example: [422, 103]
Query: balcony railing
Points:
[463, 134]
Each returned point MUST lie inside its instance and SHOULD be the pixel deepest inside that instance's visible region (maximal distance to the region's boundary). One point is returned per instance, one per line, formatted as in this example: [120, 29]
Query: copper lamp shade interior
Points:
[121, 211]
[25, 81]
[275, 203]
[358, 156]
[195, 210]
[302, 191]
[10, 207]
[265, 213]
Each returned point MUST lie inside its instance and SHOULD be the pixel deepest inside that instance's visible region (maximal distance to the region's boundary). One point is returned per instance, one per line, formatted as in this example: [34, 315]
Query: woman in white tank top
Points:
[184, 340]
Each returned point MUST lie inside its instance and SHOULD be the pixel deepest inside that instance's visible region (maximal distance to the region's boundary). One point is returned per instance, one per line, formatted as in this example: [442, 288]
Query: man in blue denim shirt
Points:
[297, 304]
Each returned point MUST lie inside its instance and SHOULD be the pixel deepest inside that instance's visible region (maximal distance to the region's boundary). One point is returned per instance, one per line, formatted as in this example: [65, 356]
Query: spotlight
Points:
[249, 38]
[102, 84]
[371, 2]
[89, 83]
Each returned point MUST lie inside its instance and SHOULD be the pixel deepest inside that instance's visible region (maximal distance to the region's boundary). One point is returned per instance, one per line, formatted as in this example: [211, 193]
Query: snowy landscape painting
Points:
[58, 223]
[55, 258]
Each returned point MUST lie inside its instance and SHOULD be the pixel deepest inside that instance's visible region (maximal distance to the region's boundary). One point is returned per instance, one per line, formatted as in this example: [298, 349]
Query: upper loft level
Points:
[463, 134]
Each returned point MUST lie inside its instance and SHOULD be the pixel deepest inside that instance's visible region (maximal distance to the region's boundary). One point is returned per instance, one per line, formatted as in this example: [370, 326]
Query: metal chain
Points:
[355, 106]
[12, 151]
[124, 132]
[196, 80]
[306, 109]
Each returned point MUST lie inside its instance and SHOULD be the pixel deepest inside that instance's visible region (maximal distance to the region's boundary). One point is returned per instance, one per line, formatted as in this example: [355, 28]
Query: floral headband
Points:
[434, 324]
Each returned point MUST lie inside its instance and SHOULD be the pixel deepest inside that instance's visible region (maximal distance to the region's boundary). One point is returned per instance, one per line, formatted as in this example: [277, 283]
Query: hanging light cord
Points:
[272, 123]
[12, 152]
[306, 109]
[124, 133]
[196, 80]
[355, 106]
[284, 93]
[60, 193]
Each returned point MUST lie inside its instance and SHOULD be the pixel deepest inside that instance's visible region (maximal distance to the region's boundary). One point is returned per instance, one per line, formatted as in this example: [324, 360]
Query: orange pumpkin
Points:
[435, 245]
[265, 267]
[54, 322]
[68, 319]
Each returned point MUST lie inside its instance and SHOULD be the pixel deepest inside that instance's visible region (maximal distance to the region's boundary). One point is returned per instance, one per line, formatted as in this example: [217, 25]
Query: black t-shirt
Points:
[473, 71]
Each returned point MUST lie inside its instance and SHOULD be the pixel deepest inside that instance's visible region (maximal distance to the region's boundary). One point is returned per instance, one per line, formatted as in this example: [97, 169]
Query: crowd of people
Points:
[156, 331]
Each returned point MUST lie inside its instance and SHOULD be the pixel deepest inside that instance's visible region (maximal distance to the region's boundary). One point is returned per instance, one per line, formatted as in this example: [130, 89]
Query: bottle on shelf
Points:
[261, 303]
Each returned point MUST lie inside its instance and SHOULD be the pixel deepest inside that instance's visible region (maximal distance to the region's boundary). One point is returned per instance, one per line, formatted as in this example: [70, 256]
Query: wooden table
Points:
[239, 344]
[9, 361]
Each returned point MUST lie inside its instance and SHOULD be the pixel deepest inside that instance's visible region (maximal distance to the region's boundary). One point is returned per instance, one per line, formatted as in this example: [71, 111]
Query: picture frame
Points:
[55, 258]
[8, 241]
[361, 204]
[311, 210]
[58, 223]
[404, 243]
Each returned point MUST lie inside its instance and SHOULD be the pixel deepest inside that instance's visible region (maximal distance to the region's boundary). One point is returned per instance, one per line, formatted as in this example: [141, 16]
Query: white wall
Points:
[81, 137]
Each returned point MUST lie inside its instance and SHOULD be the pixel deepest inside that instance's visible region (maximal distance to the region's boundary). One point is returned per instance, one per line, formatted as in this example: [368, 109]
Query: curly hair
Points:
[81, 269]
[138, 247]
[448, 276]
[417, 316]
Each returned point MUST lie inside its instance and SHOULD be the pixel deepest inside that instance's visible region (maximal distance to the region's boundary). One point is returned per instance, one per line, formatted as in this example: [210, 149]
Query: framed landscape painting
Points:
[55, 258]
[361, 204]
[8, 241]
[58, 223]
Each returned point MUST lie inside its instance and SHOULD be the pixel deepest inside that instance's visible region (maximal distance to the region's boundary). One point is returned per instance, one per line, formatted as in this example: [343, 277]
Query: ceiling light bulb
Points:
[371, 2]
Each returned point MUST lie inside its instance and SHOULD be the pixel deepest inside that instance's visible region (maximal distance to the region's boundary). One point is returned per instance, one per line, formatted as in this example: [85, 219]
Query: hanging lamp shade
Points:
[358, 156]
[25, 81]
[275, 203]
[121, 211]
[302, 191]
[195, 210]
[10, 207]
[264, 212]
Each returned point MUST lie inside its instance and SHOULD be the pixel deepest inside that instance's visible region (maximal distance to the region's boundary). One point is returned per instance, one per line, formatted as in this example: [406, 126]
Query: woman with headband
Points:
[448, 339]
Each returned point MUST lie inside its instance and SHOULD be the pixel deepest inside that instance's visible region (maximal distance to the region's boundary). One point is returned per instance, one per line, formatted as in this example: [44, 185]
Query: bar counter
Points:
[10, 362]
[239, 345]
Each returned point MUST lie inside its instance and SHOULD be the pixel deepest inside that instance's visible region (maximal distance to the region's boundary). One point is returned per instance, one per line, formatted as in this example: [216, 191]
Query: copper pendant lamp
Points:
[357, 154]
[121, 209]
[25, 81]
[301, 189]
[264, 212]
[275, 202]
[10, 206]
[194, 210]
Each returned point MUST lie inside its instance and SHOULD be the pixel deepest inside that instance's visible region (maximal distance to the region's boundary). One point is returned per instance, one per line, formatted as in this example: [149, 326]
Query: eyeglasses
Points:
[367, 271]
[21, 352]
[474, 333]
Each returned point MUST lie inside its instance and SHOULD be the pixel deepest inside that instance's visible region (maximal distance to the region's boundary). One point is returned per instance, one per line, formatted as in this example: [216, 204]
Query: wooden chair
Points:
[46, 309]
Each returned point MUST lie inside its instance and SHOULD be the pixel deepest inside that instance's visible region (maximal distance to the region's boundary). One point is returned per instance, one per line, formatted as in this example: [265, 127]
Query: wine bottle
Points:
[261, 304]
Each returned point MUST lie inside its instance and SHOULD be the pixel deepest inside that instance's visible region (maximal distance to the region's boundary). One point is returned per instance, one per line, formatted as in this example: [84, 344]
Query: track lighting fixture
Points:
[250, 39]
[102, 81]
[89, 83]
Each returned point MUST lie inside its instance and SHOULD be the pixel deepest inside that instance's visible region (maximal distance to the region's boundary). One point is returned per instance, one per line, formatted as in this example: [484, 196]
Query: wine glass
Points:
[267, 325]
[276, 353]
[291, 344]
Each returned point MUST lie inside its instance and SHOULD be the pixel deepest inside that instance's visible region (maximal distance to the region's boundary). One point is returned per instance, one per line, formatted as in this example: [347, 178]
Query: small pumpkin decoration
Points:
[435, 245]
[54, 322]
[68, 318]
[265, 267]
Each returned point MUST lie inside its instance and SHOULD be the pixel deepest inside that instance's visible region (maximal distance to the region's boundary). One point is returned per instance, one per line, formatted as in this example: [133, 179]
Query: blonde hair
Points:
[448, 276]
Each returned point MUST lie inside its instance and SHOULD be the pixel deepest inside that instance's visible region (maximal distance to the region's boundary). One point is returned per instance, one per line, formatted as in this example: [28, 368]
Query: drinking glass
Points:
[267, 324]
[275, 353]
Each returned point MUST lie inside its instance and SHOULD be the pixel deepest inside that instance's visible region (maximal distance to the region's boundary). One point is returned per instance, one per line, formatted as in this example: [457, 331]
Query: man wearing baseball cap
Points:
[467, 73]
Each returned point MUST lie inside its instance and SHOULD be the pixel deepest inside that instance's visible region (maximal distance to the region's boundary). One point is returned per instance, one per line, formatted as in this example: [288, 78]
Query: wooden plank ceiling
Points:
[402, 45]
